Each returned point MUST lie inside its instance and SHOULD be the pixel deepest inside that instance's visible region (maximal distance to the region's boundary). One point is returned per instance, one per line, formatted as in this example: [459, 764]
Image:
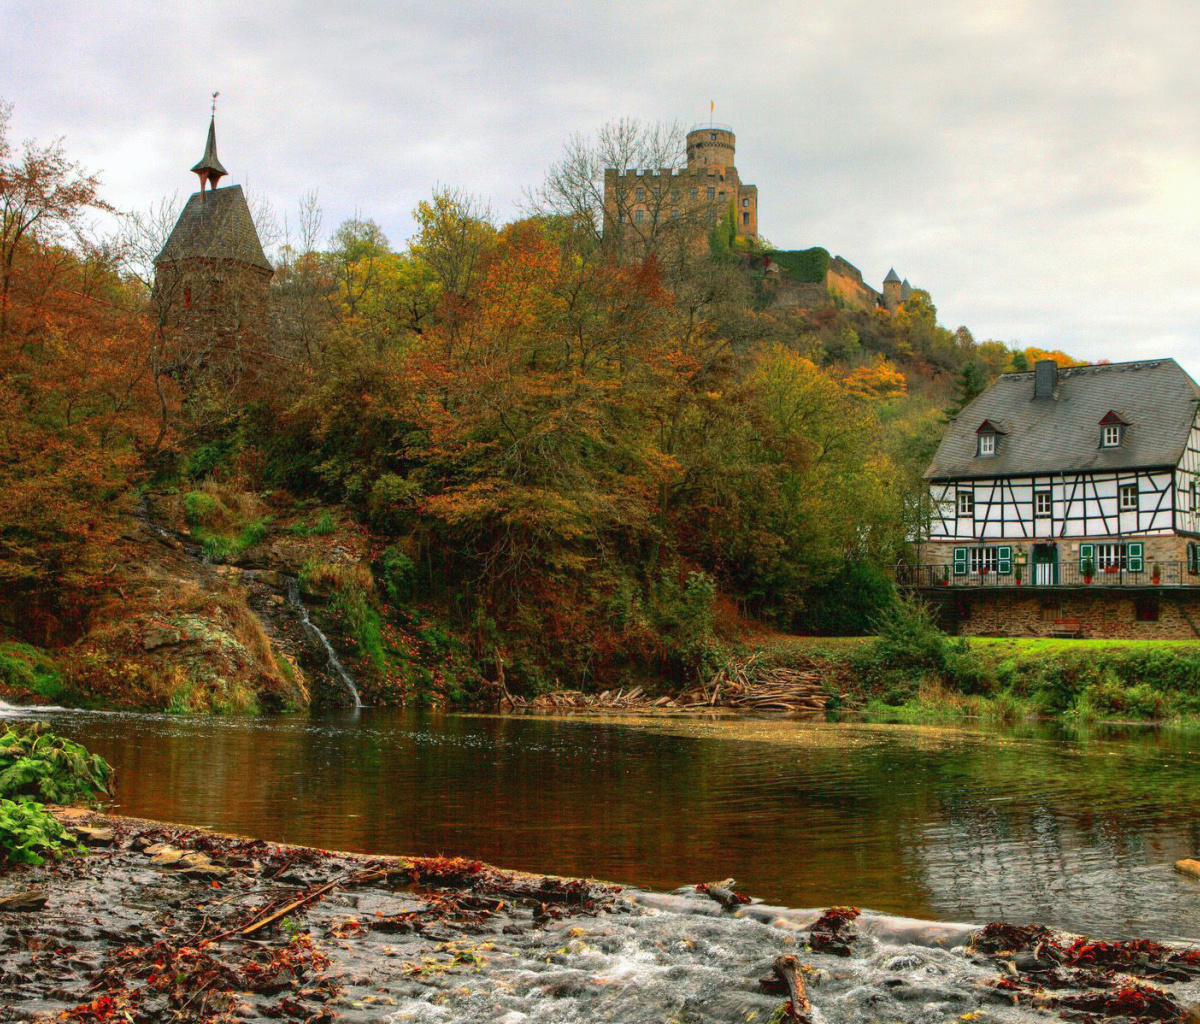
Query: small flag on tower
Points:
[712, 106]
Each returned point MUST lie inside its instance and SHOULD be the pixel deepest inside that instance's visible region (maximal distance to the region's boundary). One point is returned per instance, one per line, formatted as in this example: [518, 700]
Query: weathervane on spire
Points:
[214, 103]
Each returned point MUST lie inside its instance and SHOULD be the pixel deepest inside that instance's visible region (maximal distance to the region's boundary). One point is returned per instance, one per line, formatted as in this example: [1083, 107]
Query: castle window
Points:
[1111, 436]
[1129, 497]
[712, 192]
[1043, 504]
[745, 202]
[966, 503]
[712, 136]
[637, 216]
[641, 195]
[745, 218]
[694, 194]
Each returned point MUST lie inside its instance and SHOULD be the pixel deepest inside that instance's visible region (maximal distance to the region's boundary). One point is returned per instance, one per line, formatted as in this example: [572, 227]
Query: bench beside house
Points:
[1067, 501]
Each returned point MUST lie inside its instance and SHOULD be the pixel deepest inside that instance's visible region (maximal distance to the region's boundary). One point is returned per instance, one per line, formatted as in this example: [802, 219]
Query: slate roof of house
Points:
[1062, 434]
[215, 225]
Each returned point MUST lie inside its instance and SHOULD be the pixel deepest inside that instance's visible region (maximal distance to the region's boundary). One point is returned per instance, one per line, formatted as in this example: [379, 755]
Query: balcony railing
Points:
[1040, 577]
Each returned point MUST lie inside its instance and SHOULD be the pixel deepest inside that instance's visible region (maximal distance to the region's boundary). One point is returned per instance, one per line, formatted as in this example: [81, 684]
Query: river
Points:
[1075, 828]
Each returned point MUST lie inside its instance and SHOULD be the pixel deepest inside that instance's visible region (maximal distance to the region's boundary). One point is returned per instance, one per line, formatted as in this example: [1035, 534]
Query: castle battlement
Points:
[668, 172]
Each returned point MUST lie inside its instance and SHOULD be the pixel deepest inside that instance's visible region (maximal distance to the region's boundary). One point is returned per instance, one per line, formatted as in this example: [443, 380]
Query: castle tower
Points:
[892, 288]
[211, 279]
[711, 147]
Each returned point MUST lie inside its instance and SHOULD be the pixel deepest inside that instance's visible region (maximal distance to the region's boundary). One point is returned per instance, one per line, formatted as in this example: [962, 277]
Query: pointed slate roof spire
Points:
[892, 277]
[210, 168]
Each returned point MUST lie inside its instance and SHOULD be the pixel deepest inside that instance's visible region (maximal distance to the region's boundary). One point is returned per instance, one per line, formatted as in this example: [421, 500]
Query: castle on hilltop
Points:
[642, 207]
[642, 203]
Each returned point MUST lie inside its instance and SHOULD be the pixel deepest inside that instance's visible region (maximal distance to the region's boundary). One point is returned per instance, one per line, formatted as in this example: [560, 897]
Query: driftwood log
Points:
[787, 970]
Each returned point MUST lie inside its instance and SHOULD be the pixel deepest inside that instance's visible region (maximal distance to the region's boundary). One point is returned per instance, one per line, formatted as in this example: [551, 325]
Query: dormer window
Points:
[987, 439]
[1112, 431]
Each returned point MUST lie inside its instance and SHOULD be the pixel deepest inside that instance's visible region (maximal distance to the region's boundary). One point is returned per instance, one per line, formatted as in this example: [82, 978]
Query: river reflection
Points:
[1075, 829]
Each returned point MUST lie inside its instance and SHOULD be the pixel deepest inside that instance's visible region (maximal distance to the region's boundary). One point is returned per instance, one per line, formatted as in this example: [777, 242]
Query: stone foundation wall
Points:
[1104, 616]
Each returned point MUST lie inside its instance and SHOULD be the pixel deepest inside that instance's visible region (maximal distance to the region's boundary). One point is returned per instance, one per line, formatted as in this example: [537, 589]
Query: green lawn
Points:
[993, 647]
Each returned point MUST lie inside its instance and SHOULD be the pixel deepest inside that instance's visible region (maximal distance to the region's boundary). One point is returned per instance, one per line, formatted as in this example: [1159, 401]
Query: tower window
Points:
[745, 202]
[745, 218]
[712, 136]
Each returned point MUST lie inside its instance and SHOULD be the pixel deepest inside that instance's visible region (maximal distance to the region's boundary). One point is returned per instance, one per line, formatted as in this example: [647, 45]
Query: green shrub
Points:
[200, 507]
[29, 834]
[399, 575]
[908, 637]
[392, 502]
[684, 613]
[26, 668]
[36, 763]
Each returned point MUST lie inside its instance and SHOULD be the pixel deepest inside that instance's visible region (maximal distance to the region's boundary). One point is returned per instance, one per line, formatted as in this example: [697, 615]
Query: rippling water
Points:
[1076, 829]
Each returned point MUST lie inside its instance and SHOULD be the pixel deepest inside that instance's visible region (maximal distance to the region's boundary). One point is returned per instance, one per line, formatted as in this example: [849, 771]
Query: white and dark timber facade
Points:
[1067, 502]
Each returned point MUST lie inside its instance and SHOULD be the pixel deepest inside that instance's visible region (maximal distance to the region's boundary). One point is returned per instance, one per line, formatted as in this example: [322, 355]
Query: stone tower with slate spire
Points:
[211, 279]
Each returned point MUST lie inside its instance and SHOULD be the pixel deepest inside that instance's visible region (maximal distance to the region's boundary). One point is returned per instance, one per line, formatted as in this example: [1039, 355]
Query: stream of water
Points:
[1078, 829]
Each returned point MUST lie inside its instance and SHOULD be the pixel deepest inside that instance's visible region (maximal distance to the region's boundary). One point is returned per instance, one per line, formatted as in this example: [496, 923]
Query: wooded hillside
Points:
[497, 444]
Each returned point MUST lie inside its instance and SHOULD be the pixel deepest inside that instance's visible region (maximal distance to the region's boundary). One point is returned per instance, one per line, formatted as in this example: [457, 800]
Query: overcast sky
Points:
[1034, 165]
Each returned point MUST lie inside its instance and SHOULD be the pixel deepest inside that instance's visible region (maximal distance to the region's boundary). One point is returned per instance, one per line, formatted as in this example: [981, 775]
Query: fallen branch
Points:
[787, 970]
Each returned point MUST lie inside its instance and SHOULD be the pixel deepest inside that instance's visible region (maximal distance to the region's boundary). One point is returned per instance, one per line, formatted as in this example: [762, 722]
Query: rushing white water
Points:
[335, 664]
[10, 710]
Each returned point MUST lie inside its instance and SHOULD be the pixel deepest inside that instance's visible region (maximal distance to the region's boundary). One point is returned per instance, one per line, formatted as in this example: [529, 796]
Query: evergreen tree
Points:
[972, 380]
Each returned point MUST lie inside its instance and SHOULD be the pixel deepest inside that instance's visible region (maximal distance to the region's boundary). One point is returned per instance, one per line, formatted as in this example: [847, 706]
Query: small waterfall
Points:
[293, 596]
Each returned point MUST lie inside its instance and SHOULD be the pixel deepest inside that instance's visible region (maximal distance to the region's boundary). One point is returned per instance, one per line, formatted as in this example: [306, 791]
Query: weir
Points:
[293, 596]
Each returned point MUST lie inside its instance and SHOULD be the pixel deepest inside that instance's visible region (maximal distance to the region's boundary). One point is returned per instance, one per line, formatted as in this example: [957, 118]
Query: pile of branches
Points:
[743, 685]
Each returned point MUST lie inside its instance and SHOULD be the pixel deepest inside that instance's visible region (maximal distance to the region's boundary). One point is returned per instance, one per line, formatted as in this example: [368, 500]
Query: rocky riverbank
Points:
[162, 922]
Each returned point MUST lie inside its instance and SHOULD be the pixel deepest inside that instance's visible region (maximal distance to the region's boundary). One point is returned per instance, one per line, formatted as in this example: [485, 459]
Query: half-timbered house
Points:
[1067, 501]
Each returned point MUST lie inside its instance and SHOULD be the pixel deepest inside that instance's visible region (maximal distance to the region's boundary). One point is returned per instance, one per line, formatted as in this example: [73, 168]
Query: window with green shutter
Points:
[1136, 559]
[1004, 560]
[960, 561]
[1194, 558]
[1087, 557]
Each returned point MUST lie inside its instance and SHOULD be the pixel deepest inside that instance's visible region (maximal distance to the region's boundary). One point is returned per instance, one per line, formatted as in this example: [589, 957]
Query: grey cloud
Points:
[1036, 165]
